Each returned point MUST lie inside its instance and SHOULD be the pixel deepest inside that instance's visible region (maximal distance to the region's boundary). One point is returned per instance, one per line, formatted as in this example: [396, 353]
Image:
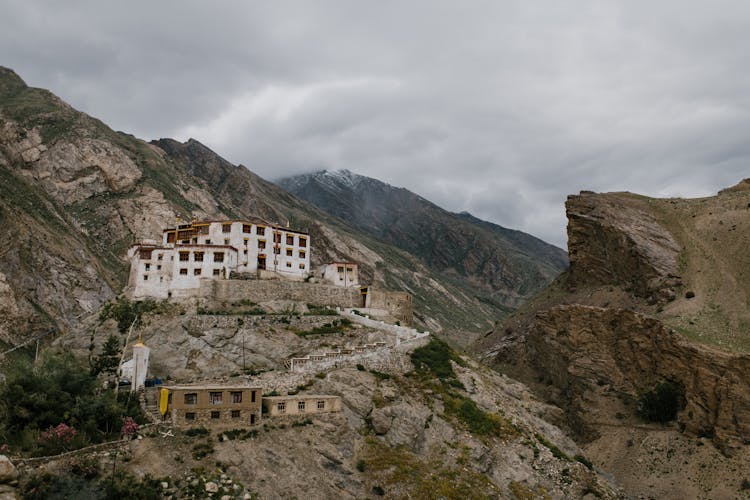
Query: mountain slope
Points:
[508, 265]
[76, 194]
[655, 297]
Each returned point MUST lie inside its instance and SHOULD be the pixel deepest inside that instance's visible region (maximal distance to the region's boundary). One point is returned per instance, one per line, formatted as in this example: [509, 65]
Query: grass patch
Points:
[476, 420]
[398, 472]
[556, 452]
[336, 326]
[317, 310]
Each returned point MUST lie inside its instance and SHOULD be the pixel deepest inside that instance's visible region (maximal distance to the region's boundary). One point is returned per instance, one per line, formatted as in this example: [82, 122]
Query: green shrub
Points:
[436, 357]
[361, 465]
[196, 431]
[380, 375]
[60, 390]
[360, 367]
[662, 403]
[556, 452]
[127, 313]
[585, 461]
[202, 449]
[477, 420]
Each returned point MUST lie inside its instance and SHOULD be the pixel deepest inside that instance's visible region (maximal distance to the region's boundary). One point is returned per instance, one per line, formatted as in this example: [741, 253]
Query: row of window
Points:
[281, 406]
[216, 415]
[261, 231]
[215, 397]
[219, 256]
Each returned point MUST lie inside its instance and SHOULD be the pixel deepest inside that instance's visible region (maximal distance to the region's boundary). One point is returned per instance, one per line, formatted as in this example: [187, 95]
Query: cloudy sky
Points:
[497, 107]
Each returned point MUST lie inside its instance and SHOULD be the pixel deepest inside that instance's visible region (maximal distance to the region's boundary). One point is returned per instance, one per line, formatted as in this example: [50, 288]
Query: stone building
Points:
[211, 405]
[344, 274]
[300, 404]
[211, 250]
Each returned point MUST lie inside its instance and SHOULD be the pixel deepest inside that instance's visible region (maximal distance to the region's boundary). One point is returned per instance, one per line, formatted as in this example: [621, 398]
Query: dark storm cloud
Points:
[498, 108]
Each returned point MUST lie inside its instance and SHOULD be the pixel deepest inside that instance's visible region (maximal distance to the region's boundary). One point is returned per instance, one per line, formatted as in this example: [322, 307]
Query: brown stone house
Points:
[211, 405]
[300, 404]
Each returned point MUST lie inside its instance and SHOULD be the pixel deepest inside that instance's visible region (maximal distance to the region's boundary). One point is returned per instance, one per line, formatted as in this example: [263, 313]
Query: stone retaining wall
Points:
[217, 291]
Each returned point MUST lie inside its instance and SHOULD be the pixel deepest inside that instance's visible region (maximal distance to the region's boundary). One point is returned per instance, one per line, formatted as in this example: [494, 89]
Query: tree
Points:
[109, 359]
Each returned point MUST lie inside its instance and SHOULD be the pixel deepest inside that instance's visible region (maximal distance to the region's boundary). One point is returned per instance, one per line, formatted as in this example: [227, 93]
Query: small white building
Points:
[343, 274]
[201, 250]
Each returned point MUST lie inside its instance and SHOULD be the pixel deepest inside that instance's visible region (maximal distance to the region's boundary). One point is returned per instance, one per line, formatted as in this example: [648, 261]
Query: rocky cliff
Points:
[656, 293]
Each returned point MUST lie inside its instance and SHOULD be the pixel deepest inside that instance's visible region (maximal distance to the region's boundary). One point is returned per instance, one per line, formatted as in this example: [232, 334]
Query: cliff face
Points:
[614, 240]
[618, 353]
[656, 292]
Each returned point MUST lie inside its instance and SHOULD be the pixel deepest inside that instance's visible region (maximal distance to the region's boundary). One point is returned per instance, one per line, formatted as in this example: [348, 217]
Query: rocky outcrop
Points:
[612, 240]
[583, 351]
[8, 479]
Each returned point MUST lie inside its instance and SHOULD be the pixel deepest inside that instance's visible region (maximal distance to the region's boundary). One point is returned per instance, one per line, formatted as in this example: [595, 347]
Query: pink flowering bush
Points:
[57, 438]
[129, 427]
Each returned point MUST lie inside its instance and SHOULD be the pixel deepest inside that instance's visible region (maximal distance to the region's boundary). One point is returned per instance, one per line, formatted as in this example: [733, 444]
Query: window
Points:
[261, 244]
[340, 269]
[302, 254]
[301, 407]
[289, 239]
[289, 253]
[214, 398]
[170, 237]
[215, 415]
[277, 238]
[226, 228]
[246, 228]
[184, 256]
[191, 398]
[321, 405]
[219, 257]
[159, 256]
[226, 241]
[277, 250]
[158, 268]
[281, 407]
[148, 267]
[350, 270]
[198, 256]
[235, 413]
[260, 230]
[236, 396]
[252, 397]
[197, 272]
[190, 416]
[216, 272]
[183, 270]
[145, 277]
[302, 242]
[301, 265]
[208, 242]
[288, 264]
[145, 254]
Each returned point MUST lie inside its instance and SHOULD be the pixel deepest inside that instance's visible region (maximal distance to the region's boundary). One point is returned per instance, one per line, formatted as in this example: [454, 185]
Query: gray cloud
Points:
[498, 108]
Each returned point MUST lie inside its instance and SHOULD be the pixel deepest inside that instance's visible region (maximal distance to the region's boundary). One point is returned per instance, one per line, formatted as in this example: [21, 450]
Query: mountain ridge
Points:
[508, 264]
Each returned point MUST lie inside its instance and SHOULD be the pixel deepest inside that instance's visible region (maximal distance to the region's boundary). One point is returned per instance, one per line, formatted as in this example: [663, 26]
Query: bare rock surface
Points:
[611, 240]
